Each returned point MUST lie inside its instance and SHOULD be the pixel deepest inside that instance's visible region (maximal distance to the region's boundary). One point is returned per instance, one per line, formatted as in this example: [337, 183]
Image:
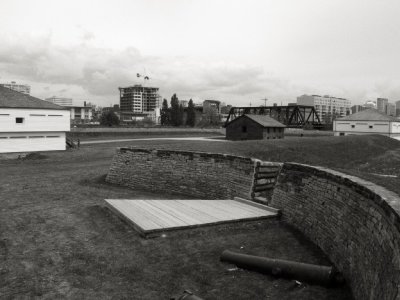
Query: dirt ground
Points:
[58, 241]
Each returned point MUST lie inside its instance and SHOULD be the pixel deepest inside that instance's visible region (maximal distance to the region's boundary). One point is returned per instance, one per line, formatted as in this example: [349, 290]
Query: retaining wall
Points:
[202, 175]
[355, 222]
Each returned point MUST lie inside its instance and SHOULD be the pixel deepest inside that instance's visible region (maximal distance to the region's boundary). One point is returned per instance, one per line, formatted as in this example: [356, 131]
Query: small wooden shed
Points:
[254, 127]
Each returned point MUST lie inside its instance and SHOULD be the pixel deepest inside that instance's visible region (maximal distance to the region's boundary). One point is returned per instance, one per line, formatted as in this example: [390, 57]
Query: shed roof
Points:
[263, 120]
[368, 115]
[13, 99]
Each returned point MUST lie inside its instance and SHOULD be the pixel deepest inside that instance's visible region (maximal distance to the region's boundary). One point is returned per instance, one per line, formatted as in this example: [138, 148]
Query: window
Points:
[19, 120]
[244, 129]
[370, 126]
[353, 126]
[342, 133]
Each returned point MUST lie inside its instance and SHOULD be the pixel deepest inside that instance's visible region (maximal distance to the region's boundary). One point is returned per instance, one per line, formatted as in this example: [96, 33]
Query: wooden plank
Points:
[168, 220]
[260, 206]
[140, 214]
[124, 208]
[217, 209]
[166, 206]
[201, 216]
[252, 208]
[229, 209]
[152, 216]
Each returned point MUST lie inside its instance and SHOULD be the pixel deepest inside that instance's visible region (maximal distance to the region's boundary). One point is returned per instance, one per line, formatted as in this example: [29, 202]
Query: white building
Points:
[22, 88]
[29, 124]
[368, 121]
[80, 114]
[326, 106]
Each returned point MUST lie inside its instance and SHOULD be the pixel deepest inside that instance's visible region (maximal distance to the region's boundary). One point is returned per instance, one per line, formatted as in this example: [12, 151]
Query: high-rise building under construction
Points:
[138, 102]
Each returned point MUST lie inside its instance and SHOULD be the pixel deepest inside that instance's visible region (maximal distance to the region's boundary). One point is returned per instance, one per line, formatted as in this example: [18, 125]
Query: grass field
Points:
[58, 241]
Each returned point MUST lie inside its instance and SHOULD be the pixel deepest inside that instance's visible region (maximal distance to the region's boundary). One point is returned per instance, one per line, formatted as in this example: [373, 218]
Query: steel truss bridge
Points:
[293, 116]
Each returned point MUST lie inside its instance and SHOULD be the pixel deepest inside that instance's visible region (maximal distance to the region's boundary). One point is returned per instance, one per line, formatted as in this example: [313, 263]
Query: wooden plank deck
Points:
[154, 216]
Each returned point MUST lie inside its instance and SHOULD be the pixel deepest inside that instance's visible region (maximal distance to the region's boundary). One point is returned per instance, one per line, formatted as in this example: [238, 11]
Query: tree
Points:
[109, 118]
[165, 113]
[191, 114]
[176, 119]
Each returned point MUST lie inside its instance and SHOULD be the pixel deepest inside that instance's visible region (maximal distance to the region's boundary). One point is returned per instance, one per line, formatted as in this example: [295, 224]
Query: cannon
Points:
[315, 274]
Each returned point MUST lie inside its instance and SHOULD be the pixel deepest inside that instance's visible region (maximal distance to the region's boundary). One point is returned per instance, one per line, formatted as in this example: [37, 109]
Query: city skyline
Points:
[237, 53]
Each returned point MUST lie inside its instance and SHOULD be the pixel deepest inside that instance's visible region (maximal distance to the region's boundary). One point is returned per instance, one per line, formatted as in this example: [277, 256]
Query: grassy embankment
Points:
[58, 241]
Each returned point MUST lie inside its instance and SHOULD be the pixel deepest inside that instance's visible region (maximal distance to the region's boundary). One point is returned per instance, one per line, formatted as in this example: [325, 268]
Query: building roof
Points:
[13, 99]
[368, 115]
[263, 120]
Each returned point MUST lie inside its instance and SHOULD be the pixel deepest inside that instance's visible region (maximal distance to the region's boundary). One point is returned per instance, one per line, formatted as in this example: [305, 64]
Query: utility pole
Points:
[265, 101]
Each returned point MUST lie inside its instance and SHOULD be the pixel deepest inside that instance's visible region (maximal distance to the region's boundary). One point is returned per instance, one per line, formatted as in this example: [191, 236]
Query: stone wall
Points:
[198, 174]
[355, 222]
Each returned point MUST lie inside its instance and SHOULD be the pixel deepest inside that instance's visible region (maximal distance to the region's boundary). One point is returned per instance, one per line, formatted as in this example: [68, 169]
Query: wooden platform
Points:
[154, 216]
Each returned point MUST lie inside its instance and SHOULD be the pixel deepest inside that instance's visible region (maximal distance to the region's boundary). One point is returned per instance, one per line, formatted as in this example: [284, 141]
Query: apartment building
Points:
[327, 107]
[60, 101]
[139, 102]
[22, 88]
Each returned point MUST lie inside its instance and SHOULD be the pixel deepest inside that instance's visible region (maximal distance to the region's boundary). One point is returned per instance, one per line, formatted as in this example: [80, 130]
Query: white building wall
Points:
[34, 120]
[31, 141]
[395, 128]
[361, 127]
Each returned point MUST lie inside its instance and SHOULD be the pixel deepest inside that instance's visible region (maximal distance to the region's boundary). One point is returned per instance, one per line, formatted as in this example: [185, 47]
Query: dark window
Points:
[370, 126]
[342, 133]
[353, 126]
[19, 120]
[244, 128]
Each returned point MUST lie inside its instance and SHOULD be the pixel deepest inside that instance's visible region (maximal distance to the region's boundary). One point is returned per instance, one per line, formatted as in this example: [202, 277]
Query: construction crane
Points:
[265, 101]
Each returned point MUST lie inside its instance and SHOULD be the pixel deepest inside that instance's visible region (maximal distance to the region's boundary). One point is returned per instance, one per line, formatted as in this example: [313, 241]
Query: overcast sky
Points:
[234, 51]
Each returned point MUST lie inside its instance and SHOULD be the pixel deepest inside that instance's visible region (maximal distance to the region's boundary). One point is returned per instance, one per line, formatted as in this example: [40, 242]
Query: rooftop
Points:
[368, 115]
[263, 120]
[13, 99]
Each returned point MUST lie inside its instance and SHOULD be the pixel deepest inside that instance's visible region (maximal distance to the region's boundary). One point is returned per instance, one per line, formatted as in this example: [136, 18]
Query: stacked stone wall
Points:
[198, 174]
[355, 222]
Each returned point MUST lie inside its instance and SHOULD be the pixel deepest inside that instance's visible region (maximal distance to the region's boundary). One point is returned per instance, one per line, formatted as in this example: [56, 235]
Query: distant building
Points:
[184, 103]
[254, 127]
[60, 101]
[212, 111]
[391, 109]
[327, 107]
[138, 102]
[381, 104]
[80, 114]
[22, 88]
[30, 124]
[357, 108]
[397, 103]
[370, 121]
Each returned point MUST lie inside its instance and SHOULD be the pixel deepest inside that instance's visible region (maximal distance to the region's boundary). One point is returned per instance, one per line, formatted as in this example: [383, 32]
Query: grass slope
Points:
[57, 241]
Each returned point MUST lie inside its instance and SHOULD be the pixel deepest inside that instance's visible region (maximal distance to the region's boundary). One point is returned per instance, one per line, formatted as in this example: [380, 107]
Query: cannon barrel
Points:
[323, 275]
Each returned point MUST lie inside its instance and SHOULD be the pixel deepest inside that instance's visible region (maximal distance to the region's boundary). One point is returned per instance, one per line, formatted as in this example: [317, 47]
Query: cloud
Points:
[98, 72]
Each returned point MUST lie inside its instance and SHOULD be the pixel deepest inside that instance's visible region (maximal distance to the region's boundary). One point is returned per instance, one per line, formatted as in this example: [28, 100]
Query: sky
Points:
[238, 52]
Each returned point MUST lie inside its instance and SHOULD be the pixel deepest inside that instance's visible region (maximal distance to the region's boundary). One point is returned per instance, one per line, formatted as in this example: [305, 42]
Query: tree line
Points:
[174, 114]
